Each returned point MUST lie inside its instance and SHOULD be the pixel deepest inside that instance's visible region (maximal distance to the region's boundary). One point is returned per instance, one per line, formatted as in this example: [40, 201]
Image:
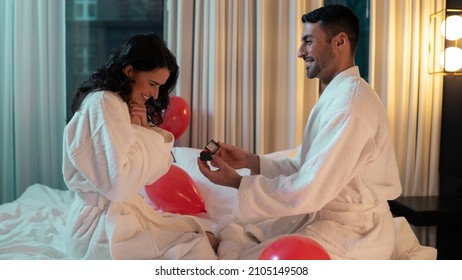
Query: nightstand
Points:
[444, 212]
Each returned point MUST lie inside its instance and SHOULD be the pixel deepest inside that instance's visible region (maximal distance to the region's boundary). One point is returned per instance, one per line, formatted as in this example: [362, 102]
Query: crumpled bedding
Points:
[31, 227]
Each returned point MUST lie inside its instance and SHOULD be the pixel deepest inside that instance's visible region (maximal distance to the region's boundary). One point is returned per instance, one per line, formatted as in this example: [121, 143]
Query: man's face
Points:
[317, 52]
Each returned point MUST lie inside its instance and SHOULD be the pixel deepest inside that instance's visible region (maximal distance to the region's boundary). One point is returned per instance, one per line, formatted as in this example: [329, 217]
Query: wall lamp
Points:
[446, 42]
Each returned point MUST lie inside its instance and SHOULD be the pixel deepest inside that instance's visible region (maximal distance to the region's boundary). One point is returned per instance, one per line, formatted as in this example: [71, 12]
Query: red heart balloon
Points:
[177, 116]
[175, 192]
[294, 248]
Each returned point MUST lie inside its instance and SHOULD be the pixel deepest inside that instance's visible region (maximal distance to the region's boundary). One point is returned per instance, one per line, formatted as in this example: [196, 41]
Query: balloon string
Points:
[173, 156]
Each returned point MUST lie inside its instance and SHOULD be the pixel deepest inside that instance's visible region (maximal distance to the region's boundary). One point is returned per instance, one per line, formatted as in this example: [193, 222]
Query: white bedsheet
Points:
[31, 226]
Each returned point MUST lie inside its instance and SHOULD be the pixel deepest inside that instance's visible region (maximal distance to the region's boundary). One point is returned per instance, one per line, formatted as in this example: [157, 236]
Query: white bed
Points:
[31, 226]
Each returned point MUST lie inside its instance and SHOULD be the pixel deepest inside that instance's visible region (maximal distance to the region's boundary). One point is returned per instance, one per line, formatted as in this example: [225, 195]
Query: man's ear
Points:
[341, 41]
[128, 71]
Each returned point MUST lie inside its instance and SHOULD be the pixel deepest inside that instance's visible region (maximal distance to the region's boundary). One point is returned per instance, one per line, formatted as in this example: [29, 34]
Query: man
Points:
[335, 191]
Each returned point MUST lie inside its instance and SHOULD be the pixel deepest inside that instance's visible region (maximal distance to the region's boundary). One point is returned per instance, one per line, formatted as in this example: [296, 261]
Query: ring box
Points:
[211, 148]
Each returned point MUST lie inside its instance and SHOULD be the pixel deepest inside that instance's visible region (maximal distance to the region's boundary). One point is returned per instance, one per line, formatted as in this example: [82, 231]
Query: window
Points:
[85, 10]
[95, 27]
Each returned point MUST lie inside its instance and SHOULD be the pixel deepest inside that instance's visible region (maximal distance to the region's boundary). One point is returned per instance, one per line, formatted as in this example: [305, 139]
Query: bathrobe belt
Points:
[93, 199]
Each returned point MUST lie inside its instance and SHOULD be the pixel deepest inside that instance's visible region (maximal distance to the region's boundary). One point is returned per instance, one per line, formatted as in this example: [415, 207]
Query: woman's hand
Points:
[138, 114]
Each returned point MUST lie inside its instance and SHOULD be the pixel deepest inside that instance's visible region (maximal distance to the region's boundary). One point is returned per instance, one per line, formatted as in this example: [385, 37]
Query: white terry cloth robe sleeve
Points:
[342, 177]
[106, 162]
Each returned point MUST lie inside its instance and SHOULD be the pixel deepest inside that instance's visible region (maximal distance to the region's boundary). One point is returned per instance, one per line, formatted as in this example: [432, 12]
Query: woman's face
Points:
[146, 83]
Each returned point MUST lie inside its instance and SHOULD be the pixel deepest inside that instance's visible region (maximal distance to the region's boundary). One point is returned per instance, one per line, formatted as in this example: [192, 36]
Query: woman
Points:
[112, 149]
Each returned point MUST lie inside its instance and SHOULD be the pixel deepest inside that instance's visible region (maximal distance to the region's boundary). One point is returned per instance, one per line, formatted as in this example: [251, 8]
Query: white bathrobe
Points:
[334, 191]
[107, 161]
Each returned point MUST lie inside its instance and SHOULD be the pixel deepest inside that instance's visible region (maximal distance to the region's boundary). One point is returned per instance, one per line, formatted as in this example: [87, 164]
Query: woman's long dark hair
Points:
[144, 52]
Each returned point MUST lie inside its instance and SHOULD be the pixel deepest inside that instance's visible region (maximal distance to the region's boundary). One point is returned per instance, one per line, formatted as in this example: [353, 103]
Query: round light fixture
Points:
[451, 28]
[451, 59]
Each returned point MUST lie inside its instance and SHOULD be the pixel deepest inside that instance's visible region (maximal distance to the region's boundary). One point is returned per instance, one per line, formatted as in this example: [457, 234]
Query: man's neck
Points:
[323, 83]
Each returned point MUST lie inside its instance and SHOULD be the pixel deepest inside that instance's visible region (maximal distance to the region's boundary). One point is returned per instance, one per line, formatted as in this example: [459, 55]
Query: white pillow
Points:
[218, 199]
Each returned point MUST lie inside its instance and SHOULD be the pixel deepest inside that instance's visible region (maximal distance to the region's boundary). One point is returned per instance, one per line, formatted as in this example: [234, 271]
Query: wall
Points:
[451, 130]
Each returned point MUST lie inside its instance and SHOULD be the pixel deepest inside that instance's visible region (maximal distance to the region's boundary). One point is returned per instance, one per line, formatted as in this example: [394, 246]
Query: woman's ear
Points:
[128, 71]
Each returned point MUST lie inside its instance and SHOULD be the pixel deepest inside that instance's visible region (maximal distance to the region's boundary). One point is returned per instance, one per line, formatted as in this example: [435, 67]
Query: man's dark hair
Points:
[335, 19]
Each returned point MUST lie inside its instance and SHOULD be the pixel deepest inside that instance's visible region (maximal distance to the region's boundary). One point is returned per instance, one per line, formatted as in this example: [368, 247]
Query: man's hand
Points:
[238, 158]
[223, 175]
